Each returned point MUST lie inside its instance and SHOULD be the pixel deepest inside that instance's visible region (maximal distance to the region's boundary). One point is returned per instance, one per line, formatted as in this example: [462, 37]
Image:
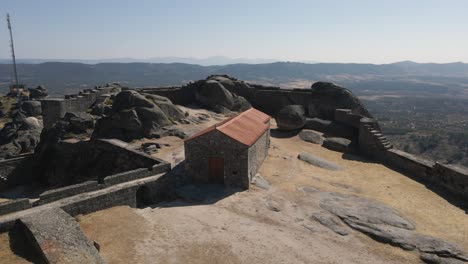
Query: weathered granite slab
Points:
[58, 238]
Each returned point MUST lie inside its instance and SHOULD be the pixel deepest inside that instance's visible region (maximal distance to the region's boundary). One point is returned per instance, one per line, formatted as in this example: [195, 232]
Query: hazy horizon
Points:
[360, 31]
[202, 61]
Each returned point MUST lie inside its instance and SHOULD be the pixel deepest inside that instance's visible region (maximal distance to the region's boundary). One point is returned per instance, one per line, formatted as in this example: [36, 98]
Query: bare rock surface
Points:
[319, 162]
[59, 238]
[21, 135]
[332, 222]
[334, 97]
[385, 225]
[311, 136]
[213, 95]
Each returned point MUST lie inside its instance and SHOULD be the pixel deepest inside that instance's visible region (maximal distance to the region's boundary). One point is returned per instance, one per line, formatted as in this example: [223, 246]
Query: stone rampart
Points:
[452, 178]
[14, 206]
[417, 167]
[59, 193]
[54, 109]
[372, 143]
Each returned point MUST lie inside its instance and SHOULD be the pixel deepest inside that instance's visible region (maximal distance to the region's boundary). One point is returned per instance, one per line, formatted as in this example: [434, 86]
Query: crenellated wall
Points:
[54, 109]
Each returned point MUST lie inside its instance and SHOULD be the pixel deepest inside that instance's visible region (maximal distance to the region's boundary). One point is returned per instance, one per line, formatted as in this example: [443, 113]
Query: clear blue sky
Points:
[296, 30]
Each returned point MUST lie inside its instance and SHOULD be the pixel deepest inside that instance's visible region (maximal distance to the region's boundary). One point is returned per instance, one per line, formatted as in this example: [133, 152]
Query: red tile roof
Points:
[245, 127]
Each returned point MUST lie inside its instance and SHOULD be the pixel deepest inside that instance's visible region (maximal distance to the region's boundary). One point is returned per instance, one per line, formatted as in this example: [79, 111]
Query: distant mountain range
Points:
[64, 77]
[209, 61]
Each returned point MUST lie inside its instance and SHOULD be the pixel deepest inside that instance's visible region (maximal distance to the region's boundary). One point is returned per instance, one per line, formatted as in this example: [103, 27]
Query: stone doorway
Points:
[216, 170]
[143, 197]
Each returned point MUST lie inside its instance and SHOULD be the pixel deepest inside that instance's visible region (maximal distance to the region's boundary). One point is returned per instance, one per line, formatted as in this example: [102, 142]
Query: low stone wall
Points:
[59, 193]
[417, 167]
[14, 206]
[115, 197]
[136, 174]
[158, 186]
[452, 178]
[177, 95]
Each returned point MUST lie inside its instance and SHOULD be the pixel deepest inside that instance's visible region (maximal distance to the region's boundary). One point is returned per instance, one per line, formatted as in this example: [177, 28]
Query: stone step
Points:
[387, 144]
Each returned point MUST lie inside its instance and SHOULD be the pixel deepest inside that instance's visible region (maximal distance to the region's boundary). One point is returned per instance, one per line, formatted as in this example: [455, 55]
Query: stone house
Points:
[229, 152]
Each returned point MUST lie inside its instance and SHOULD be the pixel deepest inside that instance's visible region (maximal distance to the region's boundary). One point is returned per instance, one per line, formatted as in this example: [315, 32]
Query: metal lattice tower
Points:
[12, 49]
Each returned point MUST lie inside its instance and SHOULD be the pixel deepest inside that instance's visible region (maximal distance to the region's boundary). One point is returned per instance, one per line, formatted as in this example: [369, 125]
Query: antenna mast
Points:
[12, 49]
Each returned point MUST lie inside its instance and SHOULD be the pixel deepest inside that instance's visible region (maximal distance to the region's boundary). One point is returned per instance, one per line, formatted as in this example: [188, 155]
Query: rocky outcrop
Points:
[31, 108]
[21, 135]
[331, 97]
[385, 225]
[213, 95]
[291, 117]
[79, 123]
[37, 93]
[136, 115]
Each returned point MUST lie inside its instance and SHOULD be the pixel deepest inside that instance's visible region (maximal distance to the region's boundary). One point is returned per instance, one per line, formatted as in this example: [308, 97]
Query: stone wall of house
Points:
[199, 150]
[258, 152]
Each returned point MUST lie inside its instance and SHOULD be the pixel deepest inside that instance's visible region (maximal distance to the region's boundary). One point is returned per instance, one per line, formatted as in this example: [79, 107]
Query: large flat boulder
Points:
[386, 225]
[318, 162]
[311, 136]
[338, 144]
[58, 238]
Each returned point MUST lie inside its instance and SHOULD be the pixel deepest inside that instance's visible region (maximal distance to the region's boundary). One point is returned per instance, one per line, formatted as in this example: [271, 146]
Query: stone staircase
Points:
[380, 138]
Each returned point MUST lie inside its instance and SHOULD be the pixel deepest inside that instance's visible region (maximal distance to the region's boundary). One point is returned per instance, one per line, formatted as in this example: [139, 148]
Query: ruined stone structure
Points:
[230, 152]
[54, 109]
[141, 167]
